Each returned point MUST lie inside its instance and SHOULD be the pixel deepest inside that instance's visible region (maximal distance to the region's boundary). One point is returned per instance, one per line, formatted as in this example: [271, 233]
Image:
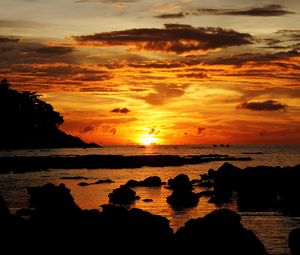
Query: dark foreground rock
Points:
[182, 195]
[294, 241]
[219, 232]
[259, 188]
[58, 224]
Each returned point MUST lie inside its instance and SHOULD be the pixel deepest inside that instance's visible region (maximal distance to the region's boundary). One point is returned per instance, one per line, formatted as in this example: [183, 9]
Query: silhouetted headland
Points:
[27, 122]
[21, 164]
[55, 222]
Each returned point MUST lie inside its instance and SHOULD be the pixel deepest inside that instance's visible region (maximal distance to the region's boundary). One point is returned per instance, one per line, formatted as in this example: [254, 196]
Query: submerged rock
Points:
[147, 200]
[73, 178]
[103, 181]
[152, 181]
[83, 184]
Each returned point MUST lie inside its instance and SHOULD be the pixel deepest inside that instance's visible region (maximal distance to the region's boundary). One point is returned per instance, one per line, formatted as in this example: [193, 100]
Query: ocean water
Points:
[271, 227]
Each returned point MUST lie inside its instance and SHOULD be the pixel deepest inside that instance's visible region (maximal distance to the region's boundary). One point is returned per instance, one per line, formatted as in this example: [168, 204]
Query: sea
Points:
[271, 227]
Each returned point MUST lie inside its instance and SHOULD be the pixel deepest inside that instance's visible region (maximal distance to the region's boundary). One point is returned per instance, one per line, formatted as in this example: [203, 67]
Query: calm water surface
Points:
[271, 227]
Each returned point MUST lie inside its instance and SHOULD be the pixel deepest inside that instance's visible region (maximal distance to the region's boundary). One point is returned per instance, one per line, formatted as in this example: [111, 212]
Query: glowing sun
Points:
[148, 140]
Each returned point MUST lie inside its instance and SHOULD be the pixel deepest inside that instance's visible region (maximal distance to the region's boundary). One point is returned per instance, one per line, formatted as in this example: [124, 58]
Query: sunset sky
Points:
[165, 72]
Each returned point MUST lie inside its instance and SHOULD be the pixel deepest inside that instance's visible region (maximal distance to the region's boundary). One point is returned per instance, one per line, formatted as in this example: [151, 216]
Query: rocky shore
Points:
[55, 221]
[21, 164]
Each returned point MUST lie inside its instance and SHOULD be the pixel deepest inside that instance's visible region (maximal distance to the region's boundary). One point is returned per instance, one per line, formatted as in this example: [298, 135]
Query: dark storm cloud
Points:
[263, 11]
[8, 39]
[52, 77]
[293, 35]
[49, 50]
[20, 51]
[193, 75]
[174, 38]
[269, 105]
[161, 64]
[171, 15]
[87, 129]
[240, 59]
[120, 110]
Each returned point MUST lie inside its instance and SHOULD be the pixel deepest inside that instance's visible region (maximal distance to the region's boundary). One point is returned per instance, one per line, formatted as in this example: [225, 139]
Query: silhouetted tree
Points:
[29, 122]
[25, 111]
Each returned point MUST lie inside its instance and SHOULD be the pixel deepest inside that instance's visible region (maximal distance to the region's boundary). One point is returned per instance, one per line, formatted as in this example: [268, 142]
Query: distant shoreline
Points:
[22, 164]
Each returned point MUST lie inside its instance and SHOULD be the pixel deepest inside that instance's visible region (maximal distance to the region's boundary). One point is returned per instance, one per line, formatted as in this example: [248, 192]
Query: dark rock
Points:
[24, 212]
[21, 164]
[183, 199]
[122, 195]
[73, 178]
[182, 195]
[195, 181]
[212, 173]
[264, 188]
[4, 211]
[103, 181]
[83, 184]
[226, 180]
[206, 184]
[135, 224]
[132, 183]
[219, 232]
[147, 200]
[52, 203]
[294, 241]
[204, 177]
[206, 193]
[180, 182]
[152, 181]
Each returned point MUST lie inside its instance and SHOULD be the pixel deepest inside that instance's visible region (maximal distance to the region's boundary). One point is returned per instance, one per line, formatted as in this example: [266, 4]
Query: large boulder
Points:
[152, 181]
[182, 195]
[122, 195]
[219, 232]
[53, 203]
[135, 225]
[180, 182]
[226, 179]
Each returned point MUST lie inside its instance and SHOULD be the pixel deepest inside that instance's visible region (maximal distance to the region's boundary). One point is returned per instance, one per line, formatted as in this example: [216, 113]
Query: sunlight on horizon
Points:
[149, 139]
